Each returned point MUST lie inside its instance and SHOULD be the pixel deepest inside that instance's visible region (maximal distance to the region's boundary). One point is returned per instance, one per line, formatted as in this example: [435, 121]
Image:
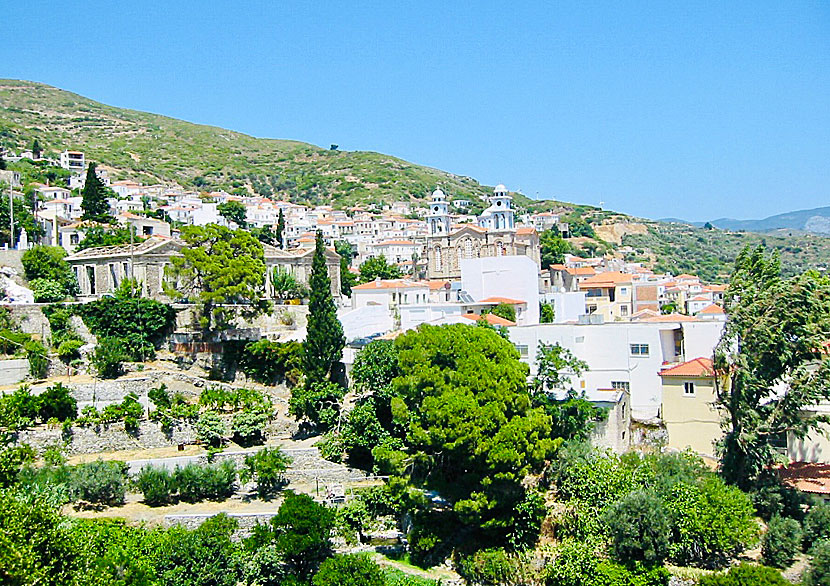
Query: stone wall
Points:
[246, 521]
[12, 258]
[107, 438]
[271, 325]
[31, 320]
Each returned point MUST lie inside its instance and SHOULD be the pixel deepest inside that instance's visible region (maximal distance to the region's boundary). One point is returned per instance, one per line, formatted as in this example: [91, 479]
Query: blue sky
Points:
[697, 111]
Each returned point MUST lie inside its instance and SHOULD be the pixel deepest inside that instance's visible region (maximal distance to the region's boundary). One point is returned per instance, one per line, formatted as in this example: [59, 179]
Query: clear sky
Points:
[699, 110]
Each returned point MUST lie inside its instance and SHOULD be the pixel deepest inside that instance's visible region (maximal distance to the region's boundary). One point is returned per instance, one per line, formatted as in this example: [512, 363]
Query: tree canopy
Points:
[553, 248]
[233, 211]
[771, 363]
[218, 267]
[94, 198]
[47, 262]
[378, 268]
[324, 342]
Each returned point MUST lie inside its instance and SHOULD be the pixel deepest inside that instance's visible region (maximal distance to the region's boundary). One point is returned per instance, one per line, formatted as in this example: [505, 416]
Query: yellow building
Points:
[688, 407]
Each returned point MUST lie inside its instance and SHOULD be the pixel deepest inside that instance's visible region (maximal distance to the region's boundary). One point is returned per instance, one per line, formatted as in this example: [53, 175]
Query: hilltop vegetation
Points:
[711, 254]
[152, 148]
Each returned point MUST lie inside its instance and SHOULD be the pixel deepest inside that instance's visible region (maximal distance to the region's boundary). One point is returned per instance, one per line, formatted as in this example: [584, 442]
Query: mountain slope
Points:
[815, 220]
[153, 148]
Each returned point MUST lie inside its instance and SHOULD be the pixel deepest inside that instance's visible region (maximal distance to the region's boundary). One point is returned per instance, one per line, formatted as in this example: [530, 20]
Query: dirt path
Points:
[436, 573]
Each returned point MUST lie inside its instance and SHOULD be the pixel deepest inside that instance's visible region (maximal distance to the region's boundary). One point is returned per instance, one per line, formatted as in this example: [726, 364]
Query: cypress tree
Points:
[2, 162]
[280, 229]
[324, 340]
[94, 202]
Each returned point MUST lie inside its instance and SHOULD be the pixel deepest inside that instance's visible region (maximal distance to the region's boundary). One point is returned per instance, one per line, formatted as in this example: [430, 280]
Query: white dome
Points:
[438, 194]
[500, 188]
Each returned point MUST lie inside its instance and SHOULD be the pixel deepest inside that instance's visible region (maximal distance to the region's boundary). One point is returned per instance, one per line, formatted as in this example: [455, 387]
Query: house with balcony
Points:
[609, 294]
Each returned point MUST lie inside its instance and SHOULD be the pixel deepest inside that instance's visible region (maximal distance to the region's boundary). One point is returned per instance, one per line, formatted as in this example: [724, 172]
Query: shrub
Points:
[127, 317]
[492, 567]
[198, 482]
[70, 350]
[156, 484]
[781, 542]
[349, 570]
[639, 528]
[107, 358]
[47, 263]
[819, 572]
[745, 575]
[19, 409]
[38, 361]
[57, 402]
[100, 482]
[272, 362]
[319, 403]
[47, 290]
[160, 397]
[817, 524]
[248, 426]
[267, 468]
[210, 430]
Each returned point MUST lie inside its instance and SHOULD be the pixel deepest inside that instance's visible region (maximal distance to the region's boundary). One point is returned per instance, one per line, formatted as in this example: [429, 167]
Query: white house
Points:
[511, 277]
[73, 160]
[623, 355]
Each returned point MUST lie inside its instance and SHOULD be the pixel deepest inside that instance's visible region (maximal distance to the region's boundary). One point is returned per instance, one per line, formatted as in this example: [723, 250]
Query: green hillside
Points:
[151, 148]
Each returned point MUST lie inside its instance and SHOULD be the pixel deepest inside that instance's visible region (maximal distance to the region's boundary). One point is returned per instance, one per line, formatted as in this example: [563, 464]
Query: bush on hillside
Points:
[817, 524]
[107, 358]
[349, 570]
[267, 467]
[781, 542]
[745, 575]
[272, 362]
[210, 430]
[38, 360]
[818, 573]
[100, 482]
[57, 402]
[46, 290]
[70, 350]
[639, 528]
[198, 482]
[157, 484]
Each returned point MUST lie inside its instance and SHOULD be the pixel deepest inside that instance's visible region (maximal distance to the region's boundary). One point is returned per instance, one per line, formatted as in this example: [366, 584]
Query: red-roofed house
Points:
[688, 406]
[609, 294]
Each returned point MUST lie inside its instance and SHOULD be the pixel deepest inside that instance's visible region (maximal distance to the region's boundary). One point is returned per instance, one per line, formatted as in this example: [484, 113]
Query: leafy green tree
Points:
[504, 310]
[349, 570]
[94, 198]
[300, 532]
[472, 430]
[47, 291]
[547, 315]
[324, 341]
[553, 248]
[157, 484]
[281, 230]
[320, 403]
[12, 459]
[234, 211]
[267, 468]
[775, 334]
[555, 366]
[378, 268]
[57, 402]
[210, 430]
[219, 267]
[36, 546]
[37, 150]
[47, 262]
[781, 542]
[97, 235]
[639, 528]
[108, 356]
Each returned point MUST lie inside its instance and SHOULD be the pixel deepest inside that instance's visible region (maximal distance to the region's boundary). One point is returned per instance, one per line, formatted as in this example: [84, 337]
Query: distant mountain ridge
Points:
[816, 220]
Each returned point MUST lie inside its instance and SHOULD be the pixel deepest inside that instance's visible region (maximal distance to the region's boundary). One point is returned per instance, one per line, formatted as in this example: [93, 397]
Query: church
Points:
[494, 234]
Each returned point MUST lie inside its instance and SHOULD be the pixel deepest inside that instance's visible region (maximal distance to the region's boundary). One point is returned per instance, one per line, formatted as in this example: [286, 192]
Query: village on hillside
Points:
[173, 329]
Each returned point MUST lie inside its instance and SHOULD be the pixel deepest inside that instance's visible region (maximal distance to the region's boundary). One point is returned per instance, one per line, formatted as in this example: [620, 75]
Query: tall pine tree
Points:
[324, 341]
[281, 230]
[94, 202]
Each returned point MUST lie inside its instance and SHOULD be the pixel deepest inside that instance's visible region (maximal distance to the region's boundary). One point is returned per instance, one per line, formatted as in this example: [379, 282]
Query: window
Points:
[688, 389]
[623, 310]
[90, 275]
[621, 385]
[522, 348]
[639, 349]
[579, 339]
[147, 230]
[74, 239]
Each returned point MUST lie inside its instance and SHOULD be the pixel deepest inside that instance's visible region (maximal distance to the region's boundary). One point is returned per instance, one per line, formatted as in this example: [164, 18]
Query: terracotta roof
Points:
[671, 317]
[715, 288]
[522, 231]
[807, 477]
[686, 276]
[606, 279]
[435, 285]
[506, 300]
[493, 320]
[698, 367]
[579, 271]
[712, 310]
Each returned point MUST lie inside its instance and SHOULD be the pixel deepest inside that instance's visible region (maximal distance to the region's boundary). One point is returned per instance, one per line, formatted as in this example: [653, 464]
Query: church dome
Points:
[438, 194]
[500, 188]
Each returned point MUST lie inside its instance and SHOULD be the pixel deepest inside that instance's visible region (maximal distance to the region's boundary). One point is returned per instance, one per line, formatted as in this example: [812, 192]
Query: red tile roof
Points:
[606, 279]
[506, 300]
[493, 320]
[712, 310]
[807, 477]
[699, 367]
